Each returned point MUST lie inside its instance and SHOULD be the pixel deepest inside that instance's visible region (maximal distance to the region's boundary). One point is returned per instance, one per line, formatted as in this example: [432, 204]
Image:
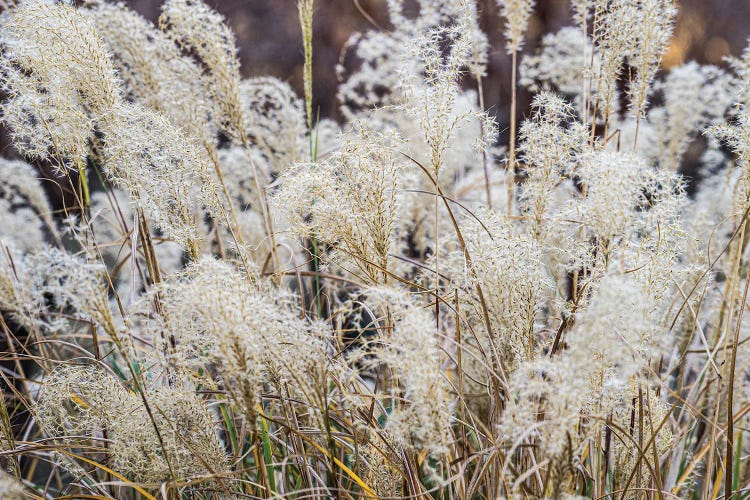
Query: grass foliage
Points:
[242, 300]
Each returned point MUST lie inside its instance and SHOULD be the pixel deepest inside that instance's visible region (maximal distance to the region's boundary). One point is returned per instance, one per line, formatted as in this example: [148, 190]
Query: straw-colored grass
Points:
[243, 300]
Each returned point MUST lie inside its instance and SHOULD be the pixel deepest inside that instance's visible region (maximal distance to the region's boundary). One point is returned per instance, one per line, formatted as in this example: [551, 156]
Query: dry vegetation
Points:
[246, 301]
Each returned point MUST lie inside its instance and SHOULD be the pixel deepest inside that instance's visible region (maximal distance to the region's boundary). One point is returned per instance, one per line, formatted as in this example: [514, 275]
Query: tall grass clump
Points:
[242, 300]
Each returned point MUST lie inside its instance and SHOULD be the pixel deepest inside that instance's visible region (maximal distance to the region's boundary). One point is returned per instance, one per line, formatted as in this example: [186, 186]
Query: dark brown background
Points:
[268, 37]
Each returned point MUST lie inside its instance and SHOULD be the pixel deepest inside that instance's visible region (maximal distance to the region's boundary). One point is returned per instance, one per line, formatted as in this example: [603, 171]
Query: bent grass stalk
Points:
[587, 339]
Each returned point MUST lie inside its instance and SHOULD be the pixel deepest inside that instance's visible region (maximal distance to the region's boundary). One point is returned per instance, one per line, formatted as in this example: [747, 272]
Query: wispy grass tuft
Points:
[243, 300]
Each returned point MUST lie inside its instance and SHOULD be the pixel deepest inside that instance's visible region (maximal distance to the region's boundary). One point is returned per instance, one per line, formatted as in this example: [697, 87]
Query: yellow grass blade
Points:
[110, 471]
[335, 460]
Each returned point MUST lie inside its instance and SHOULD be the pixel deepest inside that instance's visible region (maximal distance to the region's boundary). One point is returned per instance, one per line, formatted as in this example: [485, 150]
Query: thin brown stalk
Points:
[729, 456]
[485, 156]
[512, 145]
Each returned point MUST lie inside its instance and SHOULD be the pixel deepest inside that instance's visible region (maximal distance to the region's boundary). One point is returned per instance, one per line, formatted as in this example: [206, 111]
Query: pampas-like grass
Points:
[238, 301]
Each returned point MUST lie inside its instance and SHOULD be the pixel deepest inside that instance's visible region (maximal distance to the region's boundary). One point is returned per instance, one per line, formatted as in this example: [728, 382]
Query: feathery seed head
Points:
[516, 14]
[153, 71]
[11, 488]
[82, 401]
[38, 28]
[412, 352]
[165, 173]
[201, 31]
[274, 120]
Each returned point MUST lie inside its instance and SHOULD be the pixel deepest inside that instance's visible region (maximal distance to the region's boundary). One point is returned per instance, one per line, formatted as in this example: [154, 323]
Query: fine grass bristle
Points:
[241, 299]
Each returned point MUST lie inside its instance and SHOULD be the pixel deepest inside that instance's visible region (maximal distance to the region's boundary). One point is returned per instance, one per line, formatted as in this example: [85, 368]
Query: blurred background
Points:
[269, 41]
[268, 36]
